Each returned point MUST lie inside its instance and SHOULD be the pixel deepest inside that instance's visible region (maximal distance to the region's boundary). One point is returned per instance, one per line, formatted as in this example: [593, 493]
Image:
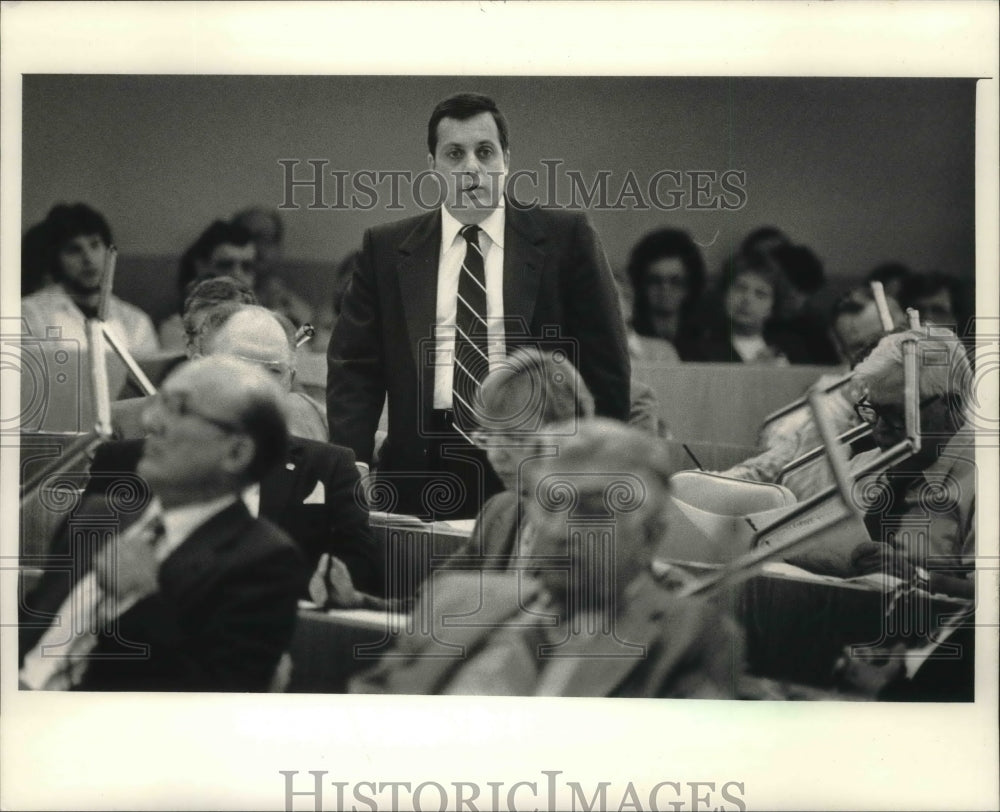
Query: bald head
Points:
[255, 335]
[216, 424]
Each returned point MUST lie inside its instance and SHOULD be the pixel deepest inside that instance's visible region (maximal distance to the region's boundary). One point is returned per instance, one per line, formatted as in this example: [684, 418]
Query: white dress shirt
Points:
[452, 254]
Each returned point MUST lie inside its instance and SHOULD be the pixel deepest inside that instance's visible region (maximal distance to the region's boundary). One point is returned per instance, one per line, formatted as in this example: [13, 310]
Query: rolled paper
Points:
[134, 369]
[878, 291]
[99, 378]
[107, 282]
[911, 392]
[913, 317]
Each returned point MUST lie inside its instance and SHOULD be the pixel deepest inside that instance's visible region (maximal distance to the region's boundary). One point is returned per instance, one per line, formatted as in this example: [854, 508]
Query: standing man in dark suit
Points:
[194, 594]
[438, 300]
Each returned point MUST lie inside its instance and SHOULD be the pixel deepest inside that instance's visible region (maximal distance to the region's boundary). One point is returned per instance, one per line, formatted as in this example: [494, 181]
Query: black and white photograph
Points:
[500, 406]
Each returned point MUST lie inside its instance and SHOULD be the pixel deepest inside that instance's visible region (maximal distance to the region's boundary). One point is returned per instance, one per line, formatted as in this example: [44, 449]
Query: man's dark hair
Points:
[463, 106]
[921, 285]
[218, 233]
[888, 272]
[66, 221]
[264, 422]
[666, 243]
[751, 242]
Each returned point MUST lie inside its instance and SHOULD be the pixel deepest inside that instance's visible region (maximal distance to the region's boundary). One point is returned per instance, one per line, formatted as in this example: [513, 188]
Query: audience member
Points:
[752, 291]
[222, 249]
[856, 328]
[76, 240]
[268, 232]
[531, 391]
[315, 496]
[667, 274]
[922, 510]
[195, 595]
[203, 297]
[939, 299]
[892, 275]
[802, 324]
[523, 273]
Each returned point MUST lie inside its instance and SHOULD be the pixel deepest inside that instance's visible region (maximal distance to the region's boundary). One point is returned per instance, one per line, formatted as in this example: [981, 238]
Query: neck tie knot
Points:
[471, 234]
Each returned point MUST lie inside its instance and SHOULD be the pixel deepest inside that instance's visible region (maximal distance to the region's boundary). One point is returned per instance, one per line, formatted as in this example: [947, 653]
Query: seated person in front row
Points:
[314, 495]
[856, 328]
[206, 310]
[194, 594]
[583, 616]
[922, 510]
[531, 391]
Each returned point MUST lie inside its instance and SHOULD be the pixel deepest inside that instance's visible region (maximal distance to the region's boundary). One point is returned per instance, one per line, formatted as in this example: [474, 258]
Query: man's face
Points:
[191, 424]
[857, 331]
[606, 548]
[81, 261]
[227, 259]
[936, 309]
[889, 426]
[474, 166]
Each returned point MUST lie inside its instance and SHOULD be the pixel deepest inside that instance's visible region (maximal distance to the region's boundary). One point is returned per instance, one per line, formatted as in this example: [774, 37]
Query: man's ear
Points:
[239, 455]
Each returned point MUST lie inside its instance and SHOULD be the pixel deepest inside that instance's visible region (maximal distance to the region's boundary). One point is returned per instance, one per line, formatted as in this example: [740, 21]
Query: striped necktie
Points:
[471, 356]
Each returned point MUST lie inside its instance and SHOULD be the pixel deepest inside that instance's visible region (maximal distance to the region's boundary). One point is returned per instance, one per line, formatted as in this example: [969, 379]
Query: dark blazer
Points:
[493, 540]
[336, 523]
[555, 276]
[223, 615]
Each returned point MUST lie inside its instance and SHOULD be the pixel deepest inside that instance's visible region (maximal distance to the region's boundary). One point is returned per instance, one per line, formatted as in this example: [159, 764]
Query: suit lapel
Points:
[194, 559]
[523, 261]
[418, 269]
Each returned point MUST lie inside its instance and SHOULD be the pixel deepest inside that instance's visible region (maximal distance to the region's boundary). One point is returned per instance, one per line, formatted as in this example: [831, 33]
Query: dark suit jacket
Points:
[223, 615]
[555, 276]
[493, 540]
[336, 524]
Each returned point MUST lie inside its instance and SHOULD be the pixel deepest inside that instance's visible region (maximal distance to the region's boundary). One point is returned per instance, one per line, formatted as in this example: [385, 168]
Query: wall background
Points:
[861, 170]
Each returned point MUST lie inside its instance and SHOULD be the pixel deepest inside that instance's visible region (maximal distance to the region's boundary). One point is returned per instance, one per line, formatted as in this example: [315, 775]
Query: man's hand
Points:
[126, 571]
[331, 587]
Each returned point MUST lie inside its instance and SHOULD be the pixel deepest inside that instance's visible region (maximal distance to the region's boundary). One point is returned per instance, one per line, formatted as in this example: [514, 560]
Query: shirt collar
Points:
[180, 522]
[493, 225]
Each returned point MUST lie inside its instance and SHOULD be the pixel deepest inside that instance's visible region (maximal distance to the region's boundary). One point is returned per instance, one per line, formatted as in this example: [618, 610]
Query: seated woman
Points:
[533, 390]
[752, 291]
[667, 274]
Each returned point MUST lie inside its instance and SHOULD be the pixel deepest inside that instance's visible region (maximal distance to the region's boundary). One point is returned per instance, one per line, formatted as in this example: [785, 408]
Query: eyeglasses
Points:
[178, 404]
[892, 415]
[495, 440]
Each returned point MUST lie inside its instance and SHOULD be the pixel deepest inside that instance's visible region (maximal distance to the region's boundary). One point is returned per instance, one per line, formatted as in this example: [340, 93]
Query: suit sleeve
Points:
[350, 534]
[355, 384]
[594, 319]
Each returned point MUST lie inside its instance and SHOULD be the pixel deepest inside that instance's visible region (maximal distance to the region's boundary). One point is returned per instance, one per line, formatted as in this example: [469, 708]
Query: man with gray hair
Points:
[923, 507]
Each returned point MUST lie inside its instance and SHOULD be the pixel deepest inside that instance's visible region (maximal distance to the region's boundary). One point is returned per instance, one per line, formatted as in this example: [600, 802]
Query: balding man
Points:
[194, 594]
[923, 508]
[315, 495]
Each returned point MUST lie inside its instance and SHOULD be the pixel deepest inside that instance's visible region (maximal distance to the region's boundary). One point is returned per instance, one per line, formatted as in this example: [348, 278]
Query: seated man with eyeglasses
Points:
[923, 508]
[315, 495]
[168, 583]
